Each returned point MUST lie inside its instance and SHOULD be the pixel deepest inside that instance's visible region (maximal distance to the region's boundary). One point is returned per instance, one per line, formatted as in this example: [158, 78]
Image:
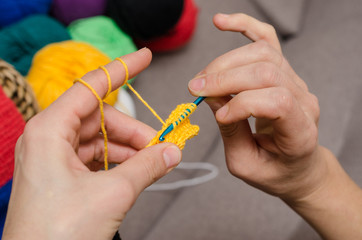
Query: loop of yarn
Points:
[20, 41]
[136, 93]
[56, 66]
[12, 11]
[182, 132]
[103, 127]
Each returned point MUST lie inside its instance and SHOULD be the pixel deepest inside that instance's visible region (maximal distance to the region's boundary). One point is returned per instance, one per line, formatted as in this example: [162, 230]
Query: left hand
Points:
[55, 194]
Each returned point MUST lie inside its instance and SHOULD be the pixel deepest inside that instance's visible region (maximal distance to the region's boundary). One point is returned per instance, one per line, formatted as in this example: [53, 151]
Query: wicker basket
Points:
[18, 90]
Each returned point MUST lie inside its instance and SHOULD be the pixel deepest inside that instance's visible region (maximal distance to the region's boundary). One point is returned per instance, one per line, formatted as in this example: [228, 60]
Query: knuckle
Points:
[97, 74]
[219, 79]
[268, 73]
[228, 130]
[150, 169]
[269, 29]
[314, 103]
[128, 189]
[283, 100]
[268, 53]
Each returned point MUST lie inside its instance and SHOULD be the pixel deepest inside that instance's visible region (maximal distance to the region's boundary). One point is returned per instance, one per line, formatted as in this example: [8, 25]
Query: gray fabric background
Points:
[322, 43]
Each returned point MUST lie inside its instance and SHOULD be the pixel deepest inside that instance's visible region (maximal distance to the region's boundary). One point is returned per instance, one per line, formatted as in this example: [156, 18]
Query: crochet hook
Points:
[171, 127]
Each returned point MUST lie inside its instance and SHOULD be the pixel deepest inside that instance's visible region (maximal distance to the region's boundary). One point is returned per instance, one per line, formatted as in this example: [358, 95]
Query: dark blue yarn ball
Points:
[12, 11]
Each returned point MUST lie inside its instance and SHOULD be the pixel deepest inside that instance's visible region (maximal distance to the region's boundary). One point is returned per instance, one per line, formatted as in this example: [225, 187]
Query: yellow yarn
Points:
[55, 67]
[103, 128]
[136, 93]
[183, 130]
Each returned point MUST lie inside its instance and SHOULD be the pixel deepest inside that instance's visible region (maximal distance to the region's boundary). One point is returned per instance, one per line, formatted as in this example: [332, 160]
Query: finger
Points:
[253, 76]
[80, 100]
[147, 166]
[293, 131]
[121, 128]
[215, 103]
[260, 51]
[93, 151]
[250, 27]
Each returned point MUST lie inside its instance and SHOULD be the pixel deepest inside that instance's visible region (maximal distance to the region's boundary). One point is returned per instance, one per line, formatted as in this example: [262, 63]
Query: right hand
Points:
[282, 157]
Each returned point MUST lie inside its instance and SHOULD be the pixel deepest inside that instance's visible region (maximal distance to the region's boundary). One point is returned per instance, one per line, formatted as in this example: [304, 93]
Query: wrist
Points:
[334, 201]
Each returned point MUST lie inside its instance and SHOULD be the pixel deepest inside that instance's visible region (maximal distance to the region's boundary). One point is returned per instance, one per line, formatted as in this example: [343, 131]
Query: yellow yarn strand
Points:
[109, 80]
[179, 118]
[103, 128]
[183, 130]
[136, 93]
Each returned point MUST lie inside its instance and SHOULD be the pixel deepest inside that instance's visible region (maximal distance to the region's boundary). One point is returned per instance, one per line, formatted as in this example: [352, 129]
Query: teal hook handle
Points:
[171, 127]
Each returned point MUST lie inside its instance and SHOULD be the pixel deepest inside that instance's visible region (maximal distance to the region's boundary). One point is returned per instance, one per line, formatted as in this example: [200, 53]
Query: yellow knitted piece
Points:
[179, 118]
[181, 132]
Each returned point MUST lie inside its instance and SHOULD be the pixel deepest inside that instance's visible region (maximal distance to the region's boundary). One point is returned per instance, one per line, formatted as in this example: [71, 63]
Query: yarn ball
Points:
[20, 41]
[12, 11]
[18, 90]
[179, 35]
[67, 11]
[57, 65]
[11, 127]
[145, 19]
[4, 202]
[103, 33]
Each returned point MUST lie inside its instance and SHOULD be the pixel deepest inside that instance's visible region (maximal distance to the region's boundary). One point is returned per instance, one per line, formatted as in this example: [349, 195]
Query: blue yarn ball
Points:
[12, 11]
[20, 41]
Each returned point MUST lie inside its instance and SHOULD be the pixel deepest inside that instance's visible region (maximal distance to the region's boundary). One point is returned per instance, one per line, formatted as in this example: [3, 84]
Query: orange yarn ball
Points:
[57, 65]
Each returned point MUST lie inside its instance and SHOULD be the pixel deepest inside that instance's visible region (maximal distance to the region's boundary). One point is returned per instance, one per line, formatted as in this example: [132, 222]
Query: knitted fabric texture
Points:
[12, 11]
[182, 131]
[56, 66]
[20, 41]
[18, 90]
[11, 127]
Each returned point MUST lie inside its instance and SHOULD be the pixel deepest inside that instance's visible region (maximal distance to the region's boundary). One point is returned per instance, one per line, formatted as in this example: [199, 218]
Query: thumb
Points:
[148, 165]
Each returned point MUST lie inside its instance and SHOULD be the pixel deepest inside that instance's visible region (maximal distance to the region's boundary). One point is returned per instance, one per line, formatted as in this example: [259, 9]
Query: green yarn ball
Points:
[104, 34]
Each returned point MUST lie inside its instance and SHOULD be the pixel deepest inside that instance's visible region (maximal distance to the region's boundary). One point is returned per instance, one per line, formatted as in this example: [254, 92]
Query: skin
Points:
[55, 194]
[282, 157]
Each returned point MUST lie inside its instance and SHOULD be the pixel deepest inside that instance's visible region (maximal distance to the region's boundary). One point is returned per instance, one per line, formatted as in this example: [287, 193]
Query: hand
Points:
[55, 194]
[281, 158]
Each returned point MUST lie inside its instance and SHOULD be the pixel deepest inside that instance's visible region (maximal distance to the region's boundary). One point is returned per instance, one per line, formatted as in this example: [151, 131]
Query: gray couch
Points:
[321, 39]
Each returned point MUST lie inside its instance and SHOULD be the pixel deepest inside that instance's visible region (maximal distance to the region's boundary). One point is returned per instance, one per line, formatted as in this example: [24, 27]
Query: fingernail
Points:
[200, 73]
[222, 112]
[172, 156]
[196, 85]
